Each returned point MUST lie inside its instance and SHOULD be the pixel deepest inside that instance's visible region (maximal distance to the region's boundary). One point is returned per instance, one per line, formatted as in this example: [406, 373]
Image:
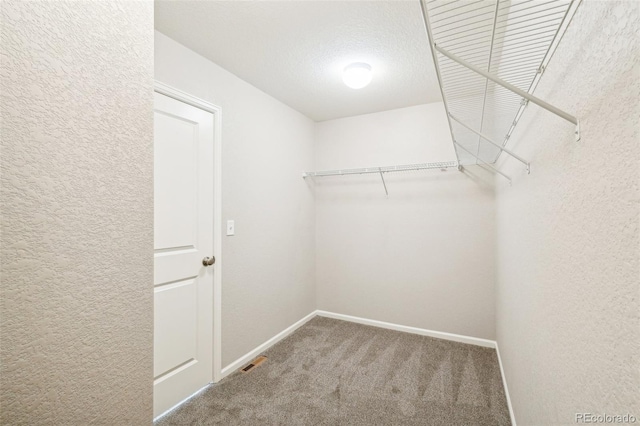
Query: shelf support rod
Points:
[484, 162]
[511, 87]
[383, 182]
[500, 147]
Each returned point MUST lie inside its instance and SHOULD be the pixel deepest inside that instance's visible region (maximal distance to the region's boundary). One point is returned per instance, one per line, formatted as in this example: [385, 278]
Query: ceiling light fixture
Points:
[357, 75]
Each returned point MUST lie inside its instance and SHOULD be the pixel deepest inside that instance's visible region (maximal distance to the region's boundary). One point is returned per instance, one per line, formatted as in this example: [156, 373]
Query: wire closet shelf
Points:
[442, 165]
[489, 56]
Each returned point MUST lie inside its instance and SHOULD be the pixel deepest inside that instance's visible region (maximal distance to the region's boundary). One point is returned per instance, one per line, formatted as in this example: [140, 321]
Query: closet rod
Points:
[386, 169]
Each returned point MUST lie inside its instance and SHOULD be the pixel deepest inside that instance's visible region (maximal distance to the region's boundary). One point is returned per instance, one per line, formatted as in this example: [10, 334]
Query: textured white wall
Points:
[268, 274]
[568, 278]
[424, 256]
[77, 213]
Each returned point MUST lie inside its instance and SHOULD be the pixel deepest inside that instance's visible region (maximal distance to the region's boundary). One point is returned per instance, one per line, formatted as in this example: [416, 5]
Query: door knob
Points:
[208, 261]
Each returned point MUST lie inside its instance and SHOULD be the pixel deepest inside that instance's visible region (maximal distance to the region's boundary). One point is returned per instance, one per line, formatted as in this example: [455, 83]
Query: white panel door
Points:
[183, 285]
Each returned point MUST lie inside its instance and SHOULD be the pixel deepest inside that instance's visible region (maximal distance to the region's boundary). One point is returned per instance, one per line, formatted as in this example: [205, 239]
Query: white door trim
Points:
[181, 96]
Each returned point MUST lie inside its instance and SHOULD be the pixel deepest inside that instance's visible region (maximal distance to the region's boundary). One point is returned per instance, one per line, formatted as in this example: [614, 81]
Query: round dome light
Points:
[357, 75]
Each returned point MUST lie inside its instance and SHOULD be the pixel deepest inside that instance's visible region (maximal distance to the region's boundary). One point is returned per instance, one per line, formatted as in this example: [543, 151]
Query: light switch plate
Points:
[231, 227]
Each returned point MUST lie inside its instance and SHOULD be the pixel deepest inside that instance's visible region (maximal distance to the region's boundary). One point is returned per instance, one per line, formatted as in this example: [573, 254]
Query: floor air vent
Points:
[256, 362]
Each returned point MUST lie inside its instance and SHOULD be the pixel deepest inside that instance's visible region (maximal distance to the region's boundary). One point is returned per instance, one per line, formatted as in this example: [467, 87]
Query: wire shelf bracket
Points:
[384, 183]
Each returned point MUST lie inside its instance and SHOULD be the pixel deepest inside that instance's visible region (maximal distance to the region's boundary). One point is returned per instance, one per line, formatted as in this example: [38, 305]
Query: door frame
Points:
[172, 92]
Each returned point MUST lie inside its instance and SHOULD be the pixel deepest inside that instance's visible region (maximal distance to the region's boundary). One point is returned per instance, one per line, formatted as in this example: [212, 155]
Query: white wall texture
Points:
[268, 273]
[76, 293]
[425, 255]
[77, 213]
[568, 262]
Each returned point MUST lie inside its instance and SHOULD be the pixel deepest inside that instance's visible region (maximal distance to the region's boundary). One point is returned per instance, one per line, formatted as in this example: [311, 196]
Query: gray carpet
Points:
[332, 372]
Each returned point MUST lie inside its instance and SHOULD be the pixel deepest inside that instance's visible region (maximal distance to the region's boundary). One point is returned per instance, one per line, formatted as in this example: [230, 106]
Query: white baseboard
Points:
[240, 362]
[414, 330]
[506, 389]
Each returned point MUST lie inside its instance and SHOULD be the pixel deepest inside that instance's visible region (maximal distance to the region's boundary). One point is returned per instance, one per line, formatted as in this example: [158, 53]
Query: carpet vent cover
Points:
[256, 362]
